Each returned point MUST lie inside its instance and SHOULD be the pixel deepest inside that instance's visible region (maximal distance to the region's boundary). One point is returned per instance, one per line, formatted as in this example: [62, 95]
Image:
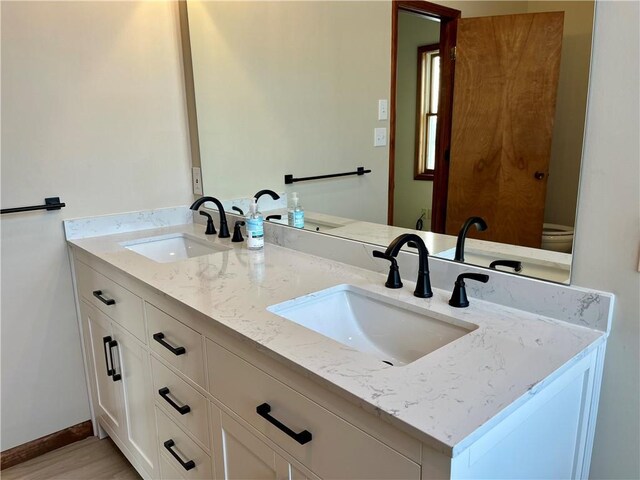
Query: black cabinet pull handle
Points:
[302, 437]
[188, 465]
[114, 376]
[164, 393]
[159, 337]
[105, 341]
[106, 301]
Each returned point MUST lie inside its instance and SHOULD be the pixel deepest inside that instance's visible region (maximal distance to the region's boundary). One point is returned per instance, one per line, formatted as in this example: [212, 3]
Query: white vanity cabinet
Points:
[241, 455]
[186, 398]
[185, 405]
[106, 393]
[119, 368]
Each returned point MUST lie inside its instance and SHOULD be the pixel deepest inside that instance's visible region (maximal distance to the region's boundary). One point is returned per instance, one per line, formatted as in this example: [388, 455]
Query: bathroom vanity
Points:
[226, 363]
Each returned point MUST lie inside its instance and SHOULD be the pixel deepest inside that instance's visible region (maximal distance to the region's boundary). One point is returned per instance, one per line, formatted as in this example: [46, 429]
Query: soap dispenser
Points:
[255, 227]
[295, 213]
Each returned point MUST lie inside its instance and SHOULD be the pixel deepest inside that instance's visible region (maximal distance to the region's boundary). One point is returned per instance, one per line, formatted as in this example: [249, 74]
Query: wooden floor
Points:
[87, 459]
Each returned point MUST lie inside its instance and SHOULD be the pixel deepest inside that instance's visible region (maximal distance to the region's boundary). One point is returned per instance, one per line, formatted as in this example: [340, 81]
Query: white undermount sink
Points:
[394, 332]
[173, 247]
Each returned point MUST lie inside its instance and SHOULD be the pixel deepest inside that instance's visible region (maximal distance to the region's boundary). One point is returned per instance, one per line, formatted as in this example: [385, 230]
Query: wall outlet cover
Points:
[196, 176]
[379, 137]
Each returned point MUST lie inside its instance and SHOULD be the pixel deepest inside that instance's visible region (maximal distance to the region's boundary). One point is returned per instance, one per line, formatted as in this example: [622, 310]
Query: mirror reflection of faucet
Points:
[266, 191]
[514, 264]
[479, 223]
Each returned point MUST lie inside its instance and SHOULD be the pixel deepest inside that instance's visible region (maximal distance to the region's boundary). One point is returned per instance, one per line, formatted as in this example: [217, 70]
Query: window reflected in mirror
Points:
[427, 110]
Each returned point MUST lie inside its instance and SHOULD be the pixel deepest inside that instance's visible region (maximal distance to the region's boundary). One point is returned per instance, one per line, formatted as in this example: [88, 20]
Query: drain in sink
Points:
[387, 362]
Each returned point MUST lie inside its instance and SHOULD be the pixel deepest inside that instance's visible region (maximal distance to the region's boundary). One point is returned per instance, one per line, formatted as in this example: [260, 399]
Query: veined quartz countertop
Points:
[447, 398]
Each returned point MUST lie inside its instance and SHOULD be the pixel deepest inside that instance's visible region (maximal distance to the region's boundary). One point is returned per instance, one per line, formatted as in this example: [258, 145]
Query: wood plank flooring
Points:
[87, 459]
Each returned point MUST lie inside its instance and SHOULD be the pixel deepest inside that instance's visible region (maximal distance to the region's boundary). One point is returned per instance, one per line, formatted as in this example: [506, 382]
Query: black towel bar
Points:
[288, 179]
[51, 203]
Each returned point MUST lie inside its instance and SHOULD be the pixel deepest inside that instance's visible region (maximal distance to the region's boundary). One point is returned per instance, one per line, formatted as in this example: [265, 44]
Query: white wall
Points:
[293, 87]
[608, 230]
[93, 111]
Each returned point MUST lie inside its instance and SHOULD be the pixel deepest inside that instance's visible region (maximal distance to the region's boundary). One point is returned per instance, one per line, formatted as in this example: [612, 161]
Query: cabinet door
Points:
[241, 455]
[135, 368]
[107, 388]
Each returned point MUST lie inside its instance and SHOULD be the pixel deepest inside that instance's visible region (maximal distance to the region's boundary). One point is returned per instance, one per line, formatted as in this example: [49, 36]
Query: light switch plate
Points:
[379, 137]
[196, 176]
[383, 110]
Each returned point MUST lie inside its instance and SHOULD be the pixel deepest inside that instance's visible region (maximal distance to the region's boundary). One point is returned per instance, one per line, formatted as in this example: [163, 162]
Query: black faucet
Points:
[459, 296]
[480, 224]
[266, 191]
[224, 229]
[211, 229]
[515, 264]
[423, 283]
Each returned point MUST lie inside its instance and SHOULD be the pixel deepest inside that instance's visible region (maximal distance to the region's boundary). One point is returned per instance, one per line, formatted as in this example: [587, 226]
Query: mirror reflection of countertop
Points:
[538, 263]
[446, 398]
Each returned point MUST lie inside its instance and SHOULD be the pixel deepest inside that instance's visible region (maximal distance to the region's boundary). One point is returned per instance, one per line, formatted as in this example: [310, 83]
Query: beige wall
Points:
[608, 229]
[484, 8]
[293, 87]
[410, 196]
[93, 111]
[571, 108]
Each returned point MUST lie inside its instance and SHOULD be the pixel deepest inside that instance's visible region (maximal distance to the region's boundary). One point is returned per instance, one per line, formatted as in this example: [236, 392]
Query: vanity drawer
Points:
[176, 343]
[196, 419]
[167, 470]
[184, 447]
[337, 449]
[117, 302]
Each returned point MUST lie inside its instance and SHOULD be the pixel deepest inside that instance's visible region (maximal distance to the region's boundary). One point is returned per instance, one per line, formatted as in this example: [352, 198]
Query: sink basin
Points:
[394, 332]
[173, 247]
[531, 267]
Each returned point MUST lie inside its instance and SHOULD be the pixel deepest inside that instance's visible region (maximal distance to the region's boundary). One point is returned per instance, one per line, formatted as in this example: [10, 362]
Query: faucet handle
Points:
[211, 229]
[393, 280]
[237, 209]
[237, 233]
[459, 296]
[515, 264]
[273, 217]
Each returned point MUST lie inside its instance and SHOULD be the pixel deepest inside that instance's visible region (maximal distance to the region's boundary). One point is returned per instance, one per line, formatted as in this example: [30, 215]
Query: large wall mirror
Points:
[493, 128]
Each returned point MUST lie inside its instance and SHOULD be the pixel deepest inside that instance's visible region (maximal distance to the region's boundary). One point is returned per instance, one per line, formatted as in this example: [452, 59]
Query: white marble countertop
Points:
[446, 399]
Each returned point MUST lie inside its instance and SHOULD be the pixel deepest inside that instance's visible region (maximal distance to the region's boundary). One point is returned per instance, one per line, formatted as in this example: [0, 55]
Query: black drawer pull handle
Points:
[114, 376]
[302, 437]
[106, 301]
[164, 393]
[169, 444]
[106, 341]
[159, 337]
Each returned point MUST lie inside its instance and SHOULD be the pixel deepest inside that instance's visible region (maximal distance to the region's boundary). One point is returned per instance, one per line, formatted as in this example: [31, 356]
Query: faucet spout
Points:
[479, 223]
[423, 283]
[266, 191]
[224, 228]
